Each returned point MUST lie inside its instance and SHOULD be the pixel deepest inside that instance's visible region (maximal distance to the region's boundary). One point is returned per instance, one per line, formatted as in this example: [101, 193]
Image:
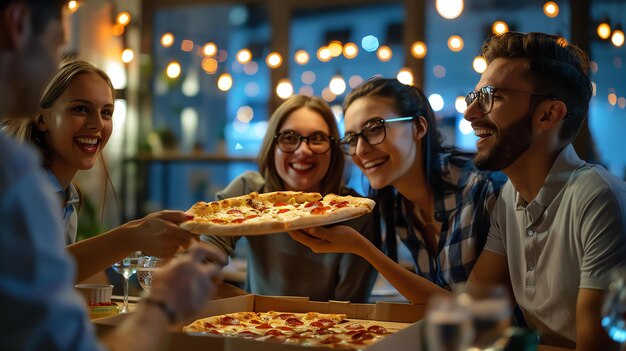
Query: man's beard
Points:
[510, 144]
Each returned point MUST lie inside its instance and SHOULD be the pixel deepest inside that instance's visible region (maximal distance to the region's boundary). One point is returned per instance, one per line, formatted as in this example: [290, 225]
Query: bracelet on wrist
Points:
[169, 313]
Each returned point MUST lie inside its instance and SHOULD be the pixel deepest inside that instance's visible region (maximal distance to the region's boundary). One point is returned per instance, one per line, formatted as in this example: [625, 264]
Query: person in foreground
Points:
[432, 197]
[558, 227]
[70, 130]
[300, 153]
[40, 308]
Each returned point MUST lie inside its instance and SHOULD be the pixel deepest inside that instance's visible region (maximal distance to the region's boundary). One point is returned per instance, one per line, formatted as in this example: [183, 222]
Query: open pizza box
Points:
[393, 313]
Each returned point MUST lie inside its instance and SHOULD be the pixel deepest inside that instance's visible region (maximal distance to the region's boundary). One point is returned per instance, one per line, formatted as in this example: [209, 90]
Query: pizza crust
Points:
[274, 212]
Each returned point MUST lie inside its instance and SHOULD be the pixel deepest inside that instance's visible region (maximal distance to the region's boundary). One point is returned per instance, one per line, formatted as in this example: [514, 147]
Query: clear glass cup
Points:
[491, 312]
[448, 325]
[614, 307]
[126, 267]
[147, 266]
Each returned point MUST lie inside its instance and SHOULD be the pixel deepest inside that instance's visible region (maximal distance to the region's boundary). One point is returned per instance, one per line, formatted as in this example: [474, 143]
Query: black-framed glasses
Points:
[289, 141]
[373, 132]
[485, 96]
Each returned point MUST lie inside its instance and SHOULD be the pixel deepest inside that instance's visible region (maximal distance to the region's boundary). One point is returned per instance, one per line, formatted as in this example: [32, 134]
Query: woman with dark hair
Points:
[71, 128]
[432, 197]
[300, 153]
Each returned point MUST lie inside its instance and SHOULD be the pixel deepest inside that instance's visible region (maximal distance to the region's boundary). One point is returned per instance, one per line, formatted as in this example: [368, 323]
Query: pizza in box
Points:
[304, 329]
[274, 212]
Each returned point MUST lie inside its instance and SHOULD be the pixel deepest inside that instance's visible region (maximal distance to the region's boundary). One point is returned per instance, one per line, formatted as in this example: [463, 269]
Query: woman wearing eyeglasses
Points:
[429, 196]
[300, 153]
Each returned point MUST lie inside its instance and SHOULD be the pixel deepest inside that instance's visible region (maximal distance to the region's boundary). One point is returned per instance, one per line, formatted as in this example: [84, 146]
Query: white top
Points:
[40, 308]
[569, 237]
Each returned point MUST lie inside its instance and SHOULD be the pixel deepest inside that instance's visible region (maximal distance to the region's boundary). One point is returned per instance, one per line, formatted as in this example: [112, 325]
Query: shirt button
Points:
[530, 232]
[530, 266]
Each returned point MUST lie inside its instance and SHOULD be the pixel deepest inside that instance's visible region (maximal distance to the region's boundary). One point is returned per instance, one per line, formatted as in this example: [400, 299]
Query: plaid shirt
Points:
[463, 204]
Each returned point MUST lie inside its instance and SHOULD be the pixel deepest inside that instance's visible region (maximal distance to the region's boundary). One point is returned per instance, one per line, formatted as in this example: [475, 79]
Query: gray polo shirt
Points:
[568, 237]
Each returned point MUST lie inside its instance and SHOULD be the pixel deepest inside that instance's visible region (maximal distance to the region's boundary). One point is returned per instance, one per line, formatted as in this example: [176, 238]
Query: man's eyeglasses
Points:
[289, 141]
[373, 132]
[485, 96]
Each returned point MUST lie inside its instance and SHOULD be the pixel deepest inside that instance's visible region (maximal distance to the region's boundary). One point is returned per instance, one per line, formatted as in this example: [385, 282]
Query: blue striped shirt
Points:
[462, 205]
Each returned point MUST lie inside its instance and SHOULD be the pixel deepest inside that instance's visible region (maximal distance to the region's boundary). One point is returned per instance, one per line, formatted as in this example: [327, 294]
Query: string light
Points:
[604, 30]
[337, 85]
[350, 50]
[284, 89]
[209, 49]
[173, 70]
[617, 38]
[301, 57]
[384, 53]
[274, 60]
[72, 6]
[335, 48]
[499, 27]
[418, 49]
[455, 43]
[117, 29]
[127, 55]
[405, 76]
[186, 45]
[225, 82]
[323, 54]
[167, 40]
[551, 9]
[244, 56]
[123, 18]
[479, 64]
[449, 9]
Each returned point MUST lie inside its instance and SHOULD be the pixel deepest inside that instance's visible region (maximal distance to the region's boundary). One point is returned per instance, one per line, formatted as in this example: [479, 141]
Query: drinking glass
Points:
[448, 325]
[126, 267]
[491, 316]
[147, 266]
[614, 307]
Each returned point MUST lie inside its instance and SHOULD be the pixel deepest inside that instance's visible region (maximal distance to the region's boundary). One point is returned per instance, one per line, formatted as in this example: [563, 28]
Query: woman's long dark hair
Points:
[408, 101]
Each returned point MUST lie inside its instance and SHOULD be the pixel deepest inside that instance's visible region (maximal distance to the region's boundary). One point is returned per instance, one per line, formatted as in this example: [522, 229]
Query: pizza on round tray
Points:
[274, 212]
[306, 329]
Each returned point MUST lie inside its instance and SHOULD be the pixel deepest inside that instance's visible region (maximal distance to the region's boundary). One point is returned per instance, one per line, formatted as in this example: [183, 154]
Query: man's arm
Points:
[491, 269]
[589, 332]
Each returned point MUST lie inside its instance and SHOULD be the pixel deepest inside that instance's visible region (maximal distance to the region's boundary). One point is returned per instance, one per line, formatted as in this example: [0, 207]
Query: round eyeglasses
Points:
[289, 141]
[485, 96]
[373, 132]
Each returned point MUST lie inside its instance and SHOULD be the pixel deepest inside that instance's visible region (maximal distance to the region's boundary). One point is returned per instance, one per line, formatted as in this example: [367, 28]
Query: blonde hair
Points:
[25, 130]
[333, 181]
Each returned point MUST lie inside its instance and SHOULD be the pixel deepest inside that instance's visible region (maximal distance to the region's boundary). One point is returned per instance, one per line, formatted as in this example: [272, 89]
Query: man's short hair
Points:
[559, 69]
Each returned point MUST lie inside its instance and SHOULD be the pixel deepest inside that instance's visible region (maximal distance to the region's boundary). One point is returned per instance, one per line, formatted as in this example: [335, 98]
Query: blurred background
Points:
[197, 80]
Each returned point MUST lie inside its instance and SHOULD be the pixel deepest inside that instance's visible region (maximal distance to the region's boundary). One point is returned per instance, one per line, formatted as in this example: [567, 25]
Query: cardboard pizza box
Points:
[407, 339]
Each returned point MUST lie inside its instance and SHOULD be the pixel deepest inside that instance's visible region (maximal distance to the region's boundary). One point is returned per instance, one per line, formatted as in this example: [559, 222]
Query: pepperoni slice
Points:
[340, 204]
[209, 325]
[274, 332]
[314, 204]
[377, 329]
[323, 323]
[217, 220]
[283, 210]
[331, 340]
[285, 328]
[285, 316]
[362, 335]
[278, 204]
[238, 220]
[294, 322]
[227, 320]
[318, 210]
[252, 216]
[354, 326]
[254, 321]
[263, 326]
[233, 211]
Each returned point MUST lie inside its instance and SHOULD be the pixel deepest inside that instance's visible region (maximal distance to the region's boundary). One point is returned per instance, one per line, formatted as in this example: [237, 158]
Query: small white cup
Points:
[95, 293]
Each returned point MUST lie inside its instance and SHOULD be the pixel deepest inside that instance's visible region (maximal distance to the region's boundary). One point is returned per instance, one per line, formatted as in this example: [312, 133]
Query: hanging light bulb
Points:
[127, 55]
[455, 43]
[604, 30]
[167, 40]
[479, 64]
[244, 56]
[284, 89]
[617, 38]
[350, 50]
[384, 53]
[323, 54]
[499, 27]
[301, 57]
[173, 69]
[274, 60]
[418, 49]
[225, 82]
[405, 76]
[551, 9]
[449, 9]
[337, 85]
